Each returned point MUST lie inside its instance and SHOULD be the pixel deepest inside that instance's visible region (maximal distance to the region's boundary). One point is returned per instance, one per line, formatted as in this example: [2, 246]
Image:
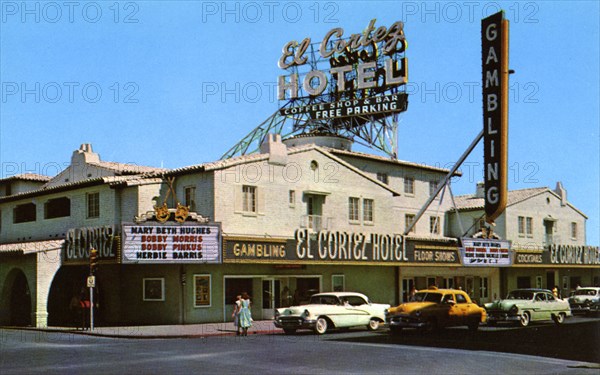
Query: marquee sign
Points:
[494, 47]
[336, 248]
[171, 243]
[346, 77]
[486, 252]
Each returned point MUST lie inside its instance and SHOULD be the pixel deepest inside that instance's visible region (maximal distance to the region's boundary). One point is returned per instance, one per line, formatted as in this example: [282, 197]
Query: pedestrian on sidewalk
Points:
[237, 307]
[245, 314]
[85, 305]
[77, 313]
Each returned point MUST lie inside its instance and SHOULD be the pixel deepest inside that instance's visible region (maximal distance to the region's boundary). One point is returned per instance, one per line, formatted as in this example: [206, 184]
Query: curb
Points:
[141, 336]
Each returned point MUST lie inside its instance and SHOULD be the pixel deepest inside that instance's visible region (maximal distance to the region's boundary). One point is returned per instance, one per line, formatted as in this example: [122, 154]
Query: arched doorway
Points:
[19, 301]
[67, 283]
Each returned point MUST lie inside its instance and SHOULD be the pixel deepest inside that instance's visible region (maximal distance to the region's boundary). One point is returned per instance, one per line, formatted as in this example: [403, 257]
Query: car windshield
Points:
[428, 297]
[520, 294]
[585, 292]
[324, 300]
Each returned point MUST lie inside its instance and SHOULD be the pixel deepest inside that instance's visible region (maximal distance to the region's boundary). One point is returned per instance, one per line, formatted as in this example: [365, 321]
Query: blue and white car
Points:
[325, 311]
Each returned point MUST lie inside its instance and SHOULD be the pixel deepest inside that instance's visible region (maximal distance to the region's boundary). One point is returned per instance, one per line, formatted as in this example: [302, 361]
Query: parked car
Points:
[435, 308]
[585, 300]
[325, 311]
[523, 306]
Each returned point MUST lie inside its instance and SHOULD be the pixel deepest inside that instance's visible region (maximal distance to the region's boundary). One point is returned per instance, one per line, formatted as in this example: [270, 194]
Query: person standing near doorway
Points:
[245, 315]
[237, 307]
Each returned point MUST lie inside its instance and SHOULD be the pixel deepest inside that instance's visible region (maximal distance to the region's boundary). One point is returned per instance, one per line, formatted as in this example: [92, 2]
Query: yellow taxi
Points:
[435, 308]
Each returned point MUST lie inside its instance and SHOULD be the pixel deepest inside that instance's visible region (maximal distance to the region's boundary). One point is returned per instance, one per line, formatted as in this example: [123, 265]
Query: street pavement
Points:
[165, 331]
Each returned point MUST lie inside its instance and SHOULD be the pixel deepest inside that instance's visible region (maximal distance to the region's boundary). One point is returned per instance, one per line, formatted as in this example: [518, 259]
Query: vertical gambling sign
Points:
[494, 47]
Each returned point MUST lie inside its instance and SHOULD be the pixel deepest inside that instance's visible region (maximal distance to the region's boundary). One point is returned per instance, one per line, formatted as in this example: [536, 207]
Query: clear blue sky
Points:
[179, 83]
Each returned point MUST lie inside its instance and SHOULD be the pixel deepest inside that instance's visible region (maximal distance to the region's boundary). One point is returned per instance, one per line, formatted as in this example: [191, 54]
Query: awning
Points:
[316, 192]
[24, 248]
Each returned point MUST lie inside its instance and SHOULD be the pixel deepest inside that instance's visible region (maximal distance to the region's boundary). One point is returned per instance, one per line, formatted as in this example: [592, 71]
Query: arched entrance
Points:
[19, 300]
[67, 283]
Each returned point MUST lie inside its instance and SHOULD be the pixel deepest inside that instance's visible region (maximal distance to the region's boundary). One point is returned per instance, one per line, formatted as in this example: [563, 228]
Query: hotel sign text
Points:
[336, 248]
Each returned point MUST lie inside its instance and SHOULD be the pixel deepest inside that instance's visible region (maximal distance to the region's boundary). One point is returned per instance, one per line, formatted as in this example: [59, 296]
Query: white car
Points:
[585, 300]
[331, 310]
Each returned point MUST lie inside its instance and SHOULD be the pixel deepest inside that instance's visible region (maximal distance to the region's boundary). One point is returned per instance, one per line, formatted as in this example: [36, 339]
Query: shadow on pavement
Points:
[576, 342]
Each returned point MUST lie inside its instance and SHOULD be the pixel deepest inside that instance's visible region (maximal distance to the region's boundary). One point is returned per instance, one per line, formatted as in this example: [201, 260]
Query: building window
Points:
[368, 210]
[59, 207]
[249, 198]
[409, 219]
[573, 231]
[93, 205]
[338, 283]
[523, 282]
[202, 287]
[383, 177]
[23, 213]
[484, 288]
[525, 226]
[434, 225]
[409, 185]
[8, 189]
[448, 283]
[521, 223]
[190, 197]
[353, 209]
[432, 187]
[292, 198]
[154, 289]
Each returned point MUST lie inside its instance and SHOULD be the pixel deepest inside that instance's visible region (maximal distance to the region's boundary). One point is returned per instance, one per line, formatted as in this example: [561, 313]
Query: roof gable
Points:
[253, 158]
[471, 202]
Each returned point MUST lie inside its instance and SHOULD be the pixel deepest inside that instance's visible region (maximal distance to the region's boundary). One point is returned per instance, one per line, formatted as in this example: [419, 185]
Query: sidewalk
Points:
[260, 327]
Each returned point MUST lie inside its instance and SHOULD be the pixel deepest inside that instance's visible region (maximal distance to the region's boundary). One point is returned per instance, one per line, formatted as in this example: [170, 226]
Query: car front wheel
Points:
[559, 318]
[321, 326]
[430, 326]
[373, 325]
[524, 322]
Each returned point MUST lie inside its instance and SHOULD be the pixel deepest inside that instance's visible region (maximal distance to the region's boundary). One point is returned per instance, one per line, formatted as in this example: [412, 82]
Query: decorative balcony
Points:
[315, 222]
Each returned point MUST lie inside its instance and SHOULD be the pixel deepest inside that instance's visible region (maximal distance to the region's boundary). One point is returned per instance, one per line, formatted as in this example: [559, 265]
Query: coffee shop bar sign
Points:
[171, 243]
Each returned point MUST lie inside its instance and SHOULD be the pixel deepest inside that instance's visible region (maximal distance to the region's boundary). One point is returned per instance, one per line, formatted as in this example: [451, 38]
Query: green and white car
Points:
[331, 310]
[523, 306]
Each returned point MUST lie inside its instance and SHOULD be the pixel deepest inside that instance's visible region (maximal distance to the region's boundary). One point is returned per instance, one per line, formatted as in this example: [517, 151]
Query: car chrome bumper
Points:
[294, 323]
[503, 318]
[404, 322]
[580, 309]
